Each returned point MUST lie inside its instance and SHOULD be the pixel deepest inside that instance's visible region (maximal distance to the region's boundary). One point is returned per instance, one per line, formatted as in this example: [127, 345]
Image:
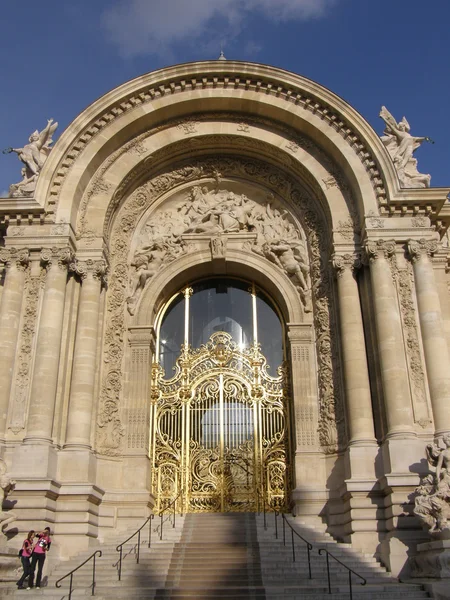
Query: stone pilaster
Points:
[391, 348]
[309, 491]
[81, 399]
[433, 334]
[16, 263]
[48, 346]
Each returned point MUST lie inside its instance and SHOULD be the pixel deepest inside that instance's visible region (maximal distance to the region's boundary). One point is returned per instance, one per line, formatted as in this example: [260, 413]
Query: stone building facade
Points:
[230, 170]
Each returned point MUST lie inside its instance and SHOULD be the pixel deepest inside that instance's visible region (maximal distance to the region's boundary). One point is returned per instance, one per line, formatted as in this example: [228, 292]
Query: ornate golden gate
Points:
[220, 430]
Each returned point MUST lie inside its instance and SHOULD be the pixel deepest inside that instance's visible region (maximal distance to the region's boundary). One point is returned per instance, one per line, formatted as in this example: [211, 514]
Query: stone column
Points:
[48, 347]
[391, 349]
[81, 399]
[356, 373]
[16, 262]
[433, 335]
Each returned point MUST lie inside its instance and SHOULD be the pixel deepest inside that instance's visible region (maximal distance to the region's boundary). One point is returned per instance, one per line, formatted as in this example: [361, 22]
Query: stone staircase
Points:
[225, 556]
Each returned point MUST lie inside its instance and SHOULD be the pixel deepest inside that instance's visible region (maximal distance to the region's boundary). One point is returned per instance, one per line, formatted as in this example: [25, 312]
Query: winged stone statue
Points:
[33, 155]
[401, 146]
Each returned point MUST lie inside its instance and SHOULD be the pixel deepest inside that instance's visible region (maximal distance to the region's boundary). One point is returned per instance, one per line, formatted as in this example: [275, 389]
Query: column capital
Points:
[374, 249]
[62, 257]
[420, 248]
[98, 269]
[300, 333]
[341, 262]
[20, 257]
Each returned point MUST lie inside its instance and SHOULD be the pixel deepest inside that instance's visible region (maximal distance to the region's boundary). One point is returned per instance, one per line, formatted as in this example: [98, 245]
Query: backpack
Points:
[20, 552]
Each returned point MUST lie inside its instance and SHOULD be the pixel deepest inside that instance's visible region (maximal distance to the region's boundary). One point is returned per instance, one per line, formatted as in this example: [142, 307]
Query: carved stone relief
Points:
[33, 286]
[110, 430]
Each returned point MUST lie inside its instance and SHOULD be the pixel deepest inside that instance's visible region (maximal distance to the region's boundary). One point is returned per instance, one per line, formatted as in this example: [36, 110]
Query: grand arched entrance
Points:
[220, 400]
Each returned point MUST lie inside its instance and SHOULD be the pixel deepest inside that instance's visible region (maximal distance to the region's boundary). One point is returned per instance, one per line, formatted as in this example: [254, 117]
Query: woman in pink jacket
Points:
[27, 549]
[41, 548]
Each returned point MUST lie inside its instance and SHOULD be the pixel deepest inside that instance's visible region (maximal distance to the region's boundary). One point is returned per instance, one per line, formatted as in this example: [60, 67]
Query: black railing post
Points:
[174, 507]
[284, 530]
[120, 562]
[161, 529]
[93, 577]
[70, 586]
[328, 574]
[150, 531]
[293, 545]
[276, 525]
[309, 547]
[138, 546]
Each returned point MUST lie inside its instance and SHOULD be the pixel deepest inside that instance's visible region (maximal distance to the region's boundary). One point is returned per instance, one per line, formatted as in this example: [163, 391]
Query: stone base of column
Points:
[33, 504]
[404, 531]
[77, 466]
[34, 461]
[309, 505]
[361, 461]
[403, 455]
[76, 518]
[124, 511]
[360, 523]
[432, 559]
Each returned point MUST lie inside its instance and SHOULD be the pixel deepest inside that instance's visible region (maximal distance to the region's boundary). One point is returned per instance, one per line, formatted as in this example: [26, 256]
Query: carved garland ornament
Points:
[262, 86]
[110, 430]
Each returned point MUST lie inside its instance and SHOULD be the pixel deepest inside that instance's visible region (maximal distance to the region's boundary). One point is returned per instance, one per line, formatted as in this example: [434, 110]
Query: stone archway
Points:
[64, 399]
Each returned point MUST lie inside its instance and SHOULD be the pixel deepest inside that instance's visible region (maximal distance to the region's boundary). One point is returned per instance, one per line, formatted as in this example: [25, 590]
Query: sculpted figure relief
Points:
[401, 145]
[215, 213]
[7, 485]
[432, 505]
[33, 155]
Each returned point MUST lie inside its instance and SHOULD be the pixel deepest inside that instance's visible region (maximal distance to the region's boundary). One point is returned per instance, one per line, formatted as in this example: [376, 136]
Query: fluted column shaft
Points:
[433, 335]
[81, 400]
[356, 372]
[10, 308]
[391, 348]
[48, 347]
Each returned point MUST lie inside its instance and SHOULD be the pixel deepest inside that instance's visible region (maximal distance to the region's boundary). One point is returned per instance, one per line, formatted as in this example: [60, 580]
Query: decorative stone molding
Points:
[98, 269]
[419, 248]
[374, 221]
[218, 248]
[345, 261]
[33, 286]
[416, 372]
[19, 257]
[373, 249]
[62, 257]
[260, 85]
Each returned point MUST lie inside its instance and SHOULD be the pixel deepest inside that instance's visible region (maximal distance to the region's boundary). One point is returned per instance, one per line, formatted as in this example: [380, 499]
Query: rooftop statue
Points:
[33, 155]
[401, 145]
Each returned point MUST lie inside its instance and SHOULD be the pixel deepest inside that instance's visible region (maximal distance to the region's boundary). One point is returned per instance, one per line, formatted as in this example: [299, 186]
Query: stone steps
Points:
[226, 556]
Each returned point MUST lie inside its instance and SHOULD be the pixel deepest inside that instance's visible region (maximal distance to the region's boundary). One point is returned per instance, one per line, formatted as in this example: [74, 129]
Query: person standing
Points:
[27, 549]
[41, 548]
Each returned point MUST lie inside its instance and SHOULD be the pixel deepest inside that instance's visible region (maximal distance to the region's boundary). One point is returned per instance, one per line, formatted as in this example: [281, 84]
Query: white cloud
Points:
[153, 26]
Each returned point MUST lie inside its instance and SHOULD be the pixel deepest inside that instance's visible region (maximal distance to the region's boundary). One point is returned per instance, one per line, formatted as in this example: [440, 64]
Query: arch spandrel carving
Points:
[198, 261]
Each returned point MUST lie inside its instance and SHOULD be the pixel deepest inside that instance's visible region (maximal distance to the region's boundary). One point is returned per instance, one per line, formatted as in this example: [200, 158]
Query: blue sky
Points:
[56, 57]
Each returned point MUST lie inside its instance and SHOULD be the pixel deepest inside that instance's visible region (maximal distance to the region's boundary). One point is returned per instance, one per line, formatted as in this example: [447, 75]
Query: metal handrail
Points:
[350, 571]
[162, 511]
[57, 584]
[119, 548]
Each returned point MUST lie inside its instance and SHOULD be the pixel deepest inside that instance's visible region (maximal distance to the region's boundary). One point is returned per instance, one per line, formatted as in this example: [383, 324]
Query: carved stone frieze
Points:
[374, 221]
